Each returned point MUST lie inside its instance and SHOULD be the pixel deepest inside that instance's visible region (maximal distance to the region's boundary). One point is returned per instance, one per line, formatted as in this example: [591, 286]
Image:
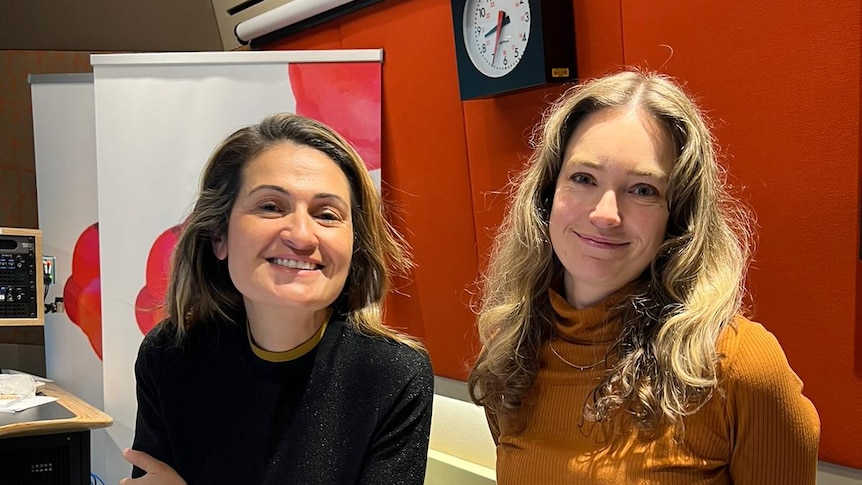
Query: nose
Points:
[298, 231]
[606, 212]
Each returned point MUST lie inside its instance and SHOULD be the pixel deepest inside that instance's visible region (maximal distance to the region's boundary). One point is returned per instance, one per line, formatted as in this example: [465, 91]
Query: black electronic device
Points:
[21, 277]
[51, 459]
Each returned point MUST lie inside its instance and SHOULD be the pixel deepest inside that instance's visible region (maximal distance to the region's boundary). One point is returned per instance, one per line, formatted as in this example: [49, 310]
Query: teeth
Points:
[290, 263]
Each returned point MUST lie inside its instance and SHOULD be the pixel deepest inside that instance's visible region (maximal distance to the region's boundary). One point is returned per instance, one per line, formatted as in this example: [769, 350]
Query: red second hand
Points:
[500, 16]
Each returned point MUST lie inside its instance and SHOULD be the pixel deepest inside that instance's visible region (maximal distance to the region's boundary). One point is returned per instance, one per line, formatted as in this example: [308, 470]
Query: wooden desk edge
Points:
[86, 417]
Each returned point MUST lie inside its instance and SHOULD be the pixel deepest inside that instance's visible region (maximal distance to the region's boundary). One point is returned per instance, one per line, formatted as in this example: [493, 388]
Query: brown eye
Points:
[270, 207]
[330, 216]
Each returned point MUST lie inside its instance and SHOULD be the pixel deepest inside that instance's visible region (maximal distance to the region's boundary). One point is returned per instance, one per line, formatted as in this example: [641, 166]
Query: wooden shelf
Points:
[85, 417]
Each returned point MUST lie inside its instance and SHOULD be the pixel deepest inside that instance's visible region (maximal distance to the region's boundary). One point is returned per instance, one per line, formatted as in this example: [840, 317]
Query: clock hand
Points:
[500, 16]
[506, 21]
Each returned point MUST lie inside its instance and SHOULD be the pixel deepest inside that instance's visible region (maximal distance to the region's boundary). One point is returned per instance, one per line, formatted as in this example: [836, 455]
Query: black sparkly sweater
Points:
[354, 410]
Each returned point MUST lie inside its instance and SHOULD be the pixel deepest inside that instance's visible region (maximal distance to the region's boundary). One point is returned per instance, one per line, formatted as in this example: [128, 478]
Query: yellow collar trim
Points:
[293, 353]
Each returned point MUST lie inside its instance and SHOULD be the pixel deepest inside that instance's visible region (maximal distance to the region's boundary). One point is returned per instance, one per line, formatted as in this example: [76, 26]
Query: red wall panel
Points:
[442, 185]
[781, 83]
[425, 168]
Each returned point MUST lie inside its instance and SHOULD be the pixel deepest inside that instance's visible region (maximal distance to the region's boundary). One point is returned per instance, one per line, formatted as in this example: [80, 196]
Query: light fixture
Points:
[293, 16]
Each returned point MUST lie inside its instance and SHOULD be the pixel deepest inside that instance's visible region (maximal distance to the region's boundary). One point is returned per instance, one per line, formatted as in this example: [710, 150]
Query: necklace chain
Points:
[575, 366]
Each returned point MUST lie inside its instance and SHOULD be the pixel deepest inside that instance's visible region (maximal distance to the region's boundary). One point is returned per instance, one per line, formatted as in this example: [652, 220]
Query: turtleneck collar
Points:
[588, 325]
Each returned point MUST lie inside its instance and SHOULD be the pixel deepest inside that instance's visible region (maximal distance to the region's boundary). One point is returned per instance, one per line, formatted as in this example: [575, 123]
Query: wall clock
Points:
[507, 45]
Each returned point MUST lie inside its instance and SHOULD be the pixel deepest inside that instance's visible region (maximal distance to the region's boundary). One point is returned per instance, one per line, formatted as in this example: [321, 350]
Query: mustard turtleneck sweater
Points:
[756, 429]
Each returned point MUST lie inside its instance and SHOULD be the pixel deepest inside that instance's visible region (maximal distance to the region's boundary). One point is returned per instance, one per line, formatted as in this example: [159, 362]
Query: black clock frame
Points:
[548, 58]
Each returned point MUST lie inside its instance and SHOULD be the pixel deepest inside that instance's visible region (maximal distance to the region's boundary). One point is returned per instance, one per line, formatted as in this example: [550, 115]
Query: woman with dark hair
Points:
[273, 365]
[614, 346]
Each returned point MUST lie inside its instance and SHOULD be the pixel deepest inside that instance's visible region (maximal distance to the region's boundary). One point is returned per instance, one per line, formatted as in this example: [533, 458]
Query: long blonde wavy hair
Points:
[200, 290]
[664, 363]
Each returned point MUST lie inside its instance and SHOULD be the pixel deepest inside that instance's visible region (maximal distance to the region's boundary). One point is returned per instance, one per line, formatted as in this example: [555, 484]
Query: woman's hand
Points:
[158, 473]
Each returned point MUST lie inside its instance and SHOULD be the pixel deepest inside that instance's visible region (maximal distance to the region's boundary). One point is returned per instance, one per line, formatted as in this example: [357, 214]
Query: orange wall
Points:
[781, 84]
[780, 80]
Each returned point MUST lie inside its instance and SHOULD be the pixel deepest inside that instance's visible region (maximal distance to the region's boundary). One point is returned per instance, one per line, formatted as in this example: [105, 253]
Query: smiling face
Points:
[609, 214]
[290, 234]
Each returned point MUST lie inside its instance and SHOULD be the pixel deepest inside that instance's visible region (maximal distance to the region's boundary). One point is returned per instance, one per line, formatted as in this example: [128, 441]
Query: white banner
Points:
[64, 139]
[158, 118]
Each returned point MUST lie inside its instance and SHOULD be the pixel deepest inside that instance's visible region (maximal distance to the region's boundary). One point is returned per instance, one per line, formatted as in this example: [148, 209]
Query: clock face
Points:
[496, 33]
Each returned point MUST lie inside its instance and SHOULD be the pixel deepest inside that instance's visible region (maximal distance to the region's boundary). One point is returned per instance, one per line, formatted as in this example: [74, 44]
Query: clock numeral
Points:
[481, 11]
[505, 61]
[526, 17]
[484, 48]
[515, 52]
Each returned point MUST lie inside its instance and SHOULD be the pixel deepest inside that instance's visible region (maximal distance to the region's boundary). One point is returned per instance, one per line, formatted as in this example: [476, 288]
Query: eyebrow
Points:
[601, 166]
[282, 190]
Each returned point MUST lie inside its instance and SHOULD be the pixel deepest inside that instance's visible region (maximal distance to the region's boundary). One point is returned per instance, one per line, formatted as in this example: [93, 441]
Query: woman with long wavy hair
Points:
[614, 349]
[273, 365]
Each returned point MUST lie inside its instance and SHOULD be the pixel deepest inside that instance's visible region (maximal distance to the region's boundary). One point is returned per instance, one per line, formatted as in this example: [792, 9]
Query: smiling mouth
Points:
[294, 264]
[600, 242]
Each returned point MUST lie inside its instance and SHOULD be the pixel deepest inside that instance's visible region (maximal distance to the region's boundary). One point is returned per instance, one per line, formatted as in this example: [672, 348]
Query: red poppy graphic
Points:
[345, 96]
[82, 294]
[150, 304]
